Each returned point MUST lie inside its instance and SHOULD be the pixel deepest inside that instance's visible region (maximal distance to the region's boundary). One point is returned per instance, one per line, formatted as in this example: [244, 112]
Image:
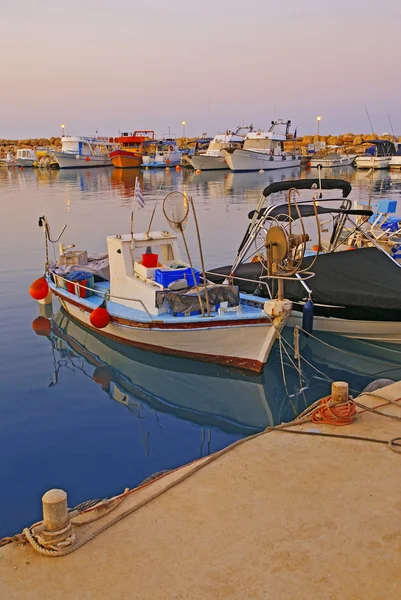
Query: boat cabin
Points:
[26, 154]
[271, 140]
[381, 148]
[133, 140]
[86, 146]
[142, 265]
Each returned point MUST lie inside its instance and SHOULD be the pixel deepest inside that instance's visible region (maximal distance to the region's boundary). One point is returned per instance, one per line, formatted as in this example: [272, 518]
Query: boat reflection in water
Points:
[205, 394]
[215, 396]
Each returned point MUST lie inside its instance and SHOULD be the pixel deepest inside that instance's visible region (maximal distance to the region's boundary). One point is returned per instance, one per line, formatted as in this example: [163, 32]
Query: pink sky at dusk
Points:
[125, 64]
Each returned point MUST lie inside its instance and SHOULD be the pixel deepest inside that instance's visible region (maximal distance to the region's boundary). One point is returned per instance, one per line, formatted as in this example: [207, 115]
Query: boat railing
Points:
[97, 292]
[300, 277]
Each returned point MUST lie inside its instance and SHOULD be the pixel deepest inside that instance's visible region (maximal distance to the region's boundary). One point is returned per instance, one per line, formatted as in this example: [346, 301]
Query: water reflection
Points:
[114, 415]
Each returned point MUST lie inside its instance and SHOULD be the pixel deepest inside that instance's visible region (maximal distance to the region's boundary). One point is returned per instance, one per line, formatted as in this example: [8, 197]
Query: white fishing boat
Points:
[154, 300]
[166, 154]
[263, 150]
[377, 157]
[331, 161]
[84, 151]
[212, 159]
[25, 157]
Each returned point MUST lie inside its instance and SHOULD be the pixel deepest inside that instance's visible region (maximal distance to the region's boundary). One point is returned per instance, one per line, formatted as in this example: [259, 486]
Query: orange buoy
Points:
[21, 168]
[42, 326]
[99, 317]
[198, 171]
[315, 248]
[87, 159]
[178, 168]
[103, 376]
[39, 289]
[168, 161]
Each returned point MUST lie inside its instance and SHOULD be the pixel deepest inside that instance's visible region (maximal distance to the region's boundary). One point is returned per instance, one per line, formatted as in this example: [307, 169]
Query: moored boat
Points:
[378, 156]
[355, 294]
[212, 159]
[84, 152]
[25, 157]
[331, 160]
[145, 295]
[165, 153]
[129, 153]
[263, 150]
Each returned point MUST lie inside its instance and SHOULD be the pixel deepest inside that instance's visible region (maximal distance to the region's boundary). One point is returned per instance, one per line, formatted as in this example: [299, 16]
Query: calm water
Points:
[92, 417]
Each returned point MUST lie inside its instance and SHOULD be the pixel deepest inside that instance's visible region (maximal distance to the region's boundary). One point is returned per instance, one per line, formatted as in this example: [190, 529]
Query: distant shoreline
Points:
[354, 143]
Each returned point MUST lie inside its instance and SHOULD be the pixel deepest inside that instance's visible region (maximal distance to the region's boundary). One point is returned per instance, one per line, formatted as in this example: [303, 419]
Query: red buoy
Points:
[39, 289]
[99, 317]
[87, 159]
[103, 376]
[42, 326]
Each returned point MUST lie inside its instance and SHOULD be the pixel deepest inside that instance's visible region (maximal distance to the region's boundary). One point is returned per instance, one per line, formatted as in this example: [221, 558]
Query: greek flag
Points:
[138, 196]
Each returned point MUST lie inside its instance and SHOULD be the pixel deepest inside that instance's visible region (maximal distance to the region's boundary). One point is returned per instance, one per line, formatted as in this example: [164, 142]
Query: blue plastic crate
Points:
[387, 206]
[167, 277]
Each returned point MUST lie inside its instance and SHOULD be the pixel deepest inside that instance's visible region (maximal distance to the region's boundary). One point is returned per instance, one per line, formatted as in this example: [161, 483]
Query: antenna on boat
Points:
[155, 206]
[176, 211]
[392, 128]
[370, 122]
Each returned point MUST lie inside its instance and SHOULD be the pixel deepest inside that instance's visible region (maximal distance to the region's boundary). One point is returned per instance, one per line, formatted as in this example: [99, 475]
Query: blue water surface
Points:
[91, 417]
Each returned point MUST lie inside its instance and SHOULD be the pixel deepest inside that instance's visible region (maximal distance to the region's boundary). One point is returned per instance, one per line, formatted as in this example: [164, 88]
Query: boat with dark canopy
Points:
[356, 293]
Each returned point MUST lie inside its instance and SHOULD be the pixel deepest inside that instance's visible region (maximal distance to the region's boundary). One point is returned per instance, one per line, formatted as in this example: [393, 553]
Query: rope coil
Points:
[333, 413]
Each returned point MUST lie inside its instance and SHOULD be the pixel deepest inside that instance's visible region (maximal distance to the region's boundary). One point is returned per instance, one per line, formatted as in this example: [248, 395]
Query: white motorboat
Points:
[377, 157]
[166, 154]
[84, 151]
[331, 161]
[355, 294]
[25, 157]
[263, 150]
[212, 159]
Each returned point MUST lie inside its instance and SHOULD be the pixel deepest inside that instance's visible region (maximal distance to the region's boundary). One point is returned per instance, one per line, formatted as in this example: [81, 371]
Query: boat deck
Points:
[252, 308]
[279, 516]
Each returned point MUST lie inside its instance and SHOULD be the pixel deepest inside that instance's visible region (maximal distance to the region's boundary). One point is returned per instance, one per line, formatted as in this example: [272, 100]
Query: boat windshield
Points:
[260, 144]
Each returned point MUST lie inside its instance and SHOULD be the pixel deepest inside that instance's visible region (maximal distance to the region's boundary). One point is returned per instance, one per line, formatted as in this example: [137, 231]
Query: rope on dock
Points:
[305, 417]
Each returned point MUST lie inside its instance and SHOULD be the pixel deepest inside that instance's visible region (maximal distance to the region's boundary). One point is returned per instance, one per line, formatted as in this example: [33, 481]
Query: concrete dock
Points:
[280, 516]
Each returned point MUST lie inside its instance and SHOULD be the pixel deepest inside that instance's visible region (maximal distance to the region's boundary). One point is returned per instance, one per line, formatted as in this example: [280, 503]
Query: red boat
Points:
[129, 155]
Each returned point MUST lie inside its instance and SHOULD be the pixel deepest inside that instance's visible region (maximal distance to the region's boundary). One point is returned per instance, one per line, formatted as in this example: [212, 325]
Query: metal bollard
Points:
[55, 512]
[56, 529]
[339, 391]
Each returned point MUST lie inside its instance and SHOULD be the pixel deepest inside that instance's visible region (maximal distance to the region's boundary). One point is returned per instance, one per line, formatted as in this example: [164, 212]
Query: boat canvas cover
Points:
[359, 284]
[188, 302]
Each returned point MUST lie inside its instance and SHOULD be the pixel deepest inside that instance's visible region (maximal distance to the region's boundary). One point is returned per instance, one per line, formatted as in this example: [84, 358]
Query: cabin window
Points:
[259, 144]
[216, 145]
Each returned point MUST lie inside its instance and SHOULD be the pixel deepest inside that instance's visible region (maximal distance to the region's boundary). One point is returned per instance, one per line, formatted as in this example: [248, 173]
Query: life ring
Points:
[171, 148]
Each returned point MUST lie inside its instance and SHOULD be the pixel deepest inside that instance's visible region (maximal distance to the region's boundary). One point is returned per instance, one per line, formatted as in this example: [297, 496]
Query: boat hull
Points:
[25, 162]
[248, 160]
[123, 159]
[74, 161]
[240, 343]
[372, 162]
[331, 164]
[395, 163]
[203, 162]
[374, 331]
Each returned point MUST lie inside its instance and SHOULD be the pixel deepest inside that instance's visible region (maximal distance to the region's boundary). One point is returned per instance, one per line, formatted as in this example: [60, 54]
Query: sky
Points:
[150, 64]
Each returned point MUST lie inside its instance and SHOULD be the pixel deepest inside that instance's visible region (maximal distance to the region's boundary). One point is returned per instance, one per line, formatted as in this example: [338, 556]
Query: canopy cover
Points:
[357, 284]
